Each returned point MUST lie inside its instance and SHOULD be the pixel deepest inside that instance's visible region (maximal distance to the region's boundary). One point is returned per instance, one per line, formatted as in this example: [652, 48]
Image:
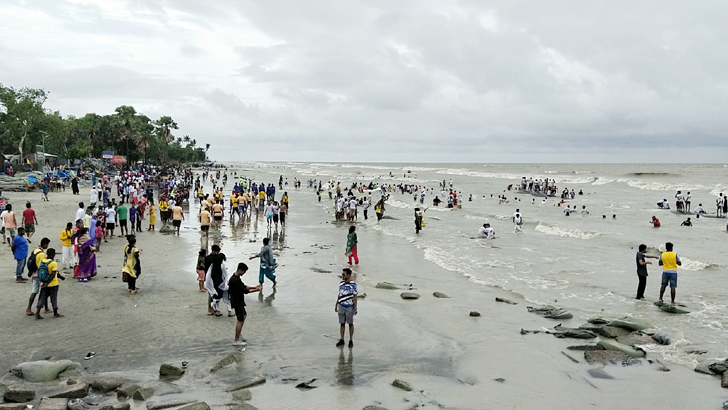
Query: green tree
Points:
[21, 113]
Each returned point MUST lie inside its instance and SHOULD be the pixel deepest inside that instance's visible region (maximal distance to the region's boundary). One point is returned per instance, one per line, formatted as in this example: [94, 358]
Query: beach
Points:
[584, 264]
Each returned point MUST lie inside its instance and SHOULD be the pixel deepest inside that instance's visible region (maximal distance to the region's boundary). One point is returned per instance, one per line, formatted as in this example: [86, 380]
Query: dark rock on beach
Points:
[386, 285]
[440, 295]
[551, 312]
[226, 361]
[12, 395]
[719, 367]
[503, 300]
[246, 384]
[401, 384]
[474, 313]
[242, 395]
[127, 392]
[409, 296]
[200, 405]
[143, 394]
[170, 370]
[107, 384]
[74, 391]
[47, 403]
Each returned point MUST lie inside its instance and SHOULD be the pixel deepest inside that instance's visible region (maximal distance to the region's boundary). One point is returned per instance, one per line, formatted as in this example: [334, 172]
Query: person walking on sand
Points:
[19, 248]
[66, 238]
[216, 281]
[123, 213]
[351, 242]
[132, 268]
[204, 218]
[268, 263]
[669, 261]
[346, 305]
[87, 267]
[177, 218]
[642, 270]
[48, 276]
[237, 291]
[10, 224]
[36, 256]
[30, 220]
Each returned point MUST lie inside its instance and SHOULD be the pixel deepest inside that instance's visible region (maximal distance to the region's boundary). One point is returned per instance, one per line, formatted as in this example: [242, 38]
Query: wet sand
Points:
[450, 359]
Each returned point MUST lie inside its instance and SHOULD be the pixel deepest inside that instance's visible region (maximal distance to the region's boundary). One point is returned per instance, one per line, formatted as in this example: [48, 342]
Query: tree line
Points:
[25, 123]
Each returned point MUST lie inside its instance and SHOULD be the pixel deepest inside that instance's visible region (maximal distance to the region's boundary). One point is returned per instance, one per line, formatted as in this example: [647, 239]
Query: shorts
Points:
[217, 218]
[36, 286]
[10, 233]
[29, 228]
[110, 226]
[240, 313]
[669, 277]
[346, 315]
[122, 223]
[205, 228]
[177, 223]
[275, 218]
[269, 216]
[200, 275]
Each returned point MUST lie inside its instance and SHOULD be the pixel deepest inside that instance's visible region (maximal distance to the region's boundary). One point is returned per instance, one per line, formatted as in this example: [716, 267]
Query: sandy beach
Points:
[452, 360]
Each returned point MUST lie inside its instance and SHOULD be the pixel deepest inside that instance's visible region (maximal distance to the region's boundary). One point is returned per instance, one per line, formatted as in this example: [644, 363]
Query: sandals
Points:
[89, 355]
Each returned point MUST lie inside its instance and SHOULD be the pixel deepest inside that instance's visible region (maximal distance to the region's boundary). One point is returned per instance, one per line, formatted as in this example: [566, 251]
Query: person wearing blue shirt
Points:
[346, 307]
[20, 253]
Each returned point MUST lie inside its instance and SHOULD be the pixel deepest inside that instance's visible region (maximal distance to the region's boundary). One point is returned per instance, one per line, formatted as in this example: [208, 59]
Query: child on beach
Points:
[152, 216]
[201, 269]
[346, 307]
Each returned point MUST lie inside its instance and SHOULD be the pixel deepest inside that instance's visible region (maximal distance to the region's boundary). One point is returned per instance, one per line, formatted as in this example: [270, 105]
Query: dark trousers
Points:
[46, 293]
[365, 215]
[131, 281]
[641, 286]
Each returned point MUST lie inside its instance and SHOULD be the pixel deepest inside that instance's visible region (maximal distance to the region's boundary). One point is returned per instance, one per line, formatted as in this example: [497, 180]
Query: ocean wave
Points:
[602, 181]
[566, 232]
[551, 172]
[691, 265]
[367, 166]
[475, 217]
[515, 177]
[660, 186]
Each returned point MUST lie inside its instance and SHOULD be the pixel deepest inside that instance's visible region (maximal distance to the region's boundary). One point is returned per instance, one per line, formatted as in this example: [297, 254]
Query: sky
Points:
[391, 80]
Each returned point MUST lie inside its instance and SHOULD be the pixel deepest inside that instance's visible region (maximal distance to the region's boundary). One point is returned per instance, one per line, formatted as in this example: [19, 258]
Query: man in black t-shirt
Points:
[642, 270]
[237, 291]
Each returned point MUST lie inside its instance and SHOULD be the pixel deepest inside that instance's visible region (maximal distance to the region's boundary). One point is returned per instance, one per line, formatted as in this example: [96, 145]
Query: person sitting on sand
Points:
[663, 204]
[655, 222]
[699, 210]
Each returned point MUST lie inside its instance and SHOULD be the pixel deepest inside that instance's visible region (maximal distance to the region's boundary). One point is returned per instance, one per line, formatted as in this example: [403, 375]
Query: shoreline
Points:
[432, 343]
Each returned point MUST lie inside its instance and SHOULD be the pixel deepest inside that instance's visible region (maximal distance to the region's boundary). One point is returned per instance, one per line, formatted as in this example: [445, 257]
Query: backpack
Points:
[32, 268]
[44, 275]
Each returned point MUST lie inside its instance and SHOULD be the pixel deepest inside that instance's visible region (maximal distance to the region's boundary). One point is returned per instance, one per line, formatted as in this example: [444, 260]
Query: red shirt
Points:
[29, 216]
[656, 223]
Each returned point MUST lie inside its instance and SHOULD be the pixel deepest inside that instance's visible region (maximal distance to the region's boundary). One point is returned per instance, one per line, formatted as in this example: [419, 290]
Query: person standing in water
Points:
[518, 221]
[351, 242]
[268, 263]
[642, 271]
[669, 261]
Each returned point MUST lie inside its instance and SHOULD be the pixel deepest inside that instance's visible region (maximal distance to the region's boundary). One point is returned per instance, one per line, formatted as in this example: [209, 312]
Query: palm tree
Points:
[165, 125]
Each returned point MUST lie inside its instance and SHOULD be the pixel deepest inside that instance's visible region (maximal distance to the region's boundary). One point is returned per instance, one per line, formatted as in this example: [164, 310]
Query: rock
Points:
[13, 406]
[168, 404]
[500, 380]
[704, 367]
[143, 394]
[241, 406]
[585, 348]
[440, 295]
[551, 312]
[616, 346]
[401, 384]
[630, 324]
[200, 405]
[117, 406]
[166, 230]
[613, 332]
[409, 296]
[13, 395]
[591, 327]
[361, 296]
[3, 388]
[256, 381]
[598, 321]
[108, 384]
[636, 338]
[47, 403]
[724, 381]
[306, 385]
[226, 361]
[503, 300]
[601, 356]
[170, 370]
[386, 285]
[242, 395]
[474, 313]
[127, 391]
[599, 374]
[43, 370]
[382, 408]
[77, 404]
[74, 391]
[662, 338]
[719, 367]
[692, 351]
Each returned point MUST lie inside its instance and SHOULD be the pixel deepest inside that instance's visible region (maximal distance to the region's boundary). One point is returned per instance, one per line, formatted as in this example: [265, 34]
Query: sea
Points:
[584, 263]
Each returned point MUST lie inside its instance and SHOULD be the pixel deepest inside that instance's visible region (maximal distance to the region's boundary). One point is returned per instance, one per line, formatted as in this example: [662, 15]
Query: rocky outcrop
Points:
[106, 385]
[13, 395]
[43, 370]
[73, 391]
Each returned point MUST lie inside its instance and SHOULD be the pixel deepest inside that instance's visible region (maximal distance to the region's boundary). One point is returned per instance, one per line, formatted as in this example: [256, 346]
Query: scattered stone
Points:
[169, 404]
[200, 405]
[719, 367]
[616, 346]
[663, 339]
[170, 370]
[74, 391]
[306, 385]
[241, 406]
[127, 392]
[500, 380]
[636, 338]
[585, 348]
[77, 404]
[599, 374]
[502, 300]
[106, 385]
[143, 394]
[724, 381]
[226, 361]
[13, 406]
[47, 403]
[362, 296]
[601, 356]
[630, 323]
[474, 313]
[386, 285]
[13, 395]
[704, 367]
[242, 395]
[409, 296]
[401, 384]
[551, 312]
[256, 381]
[613, 332]
[43, 370]
[117, 406]
[440, 295]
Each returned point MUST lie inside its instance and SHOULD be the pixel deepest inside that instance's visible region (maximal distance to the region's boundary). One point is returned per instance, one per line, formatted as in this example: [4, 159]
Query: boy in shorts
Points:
[346, 307]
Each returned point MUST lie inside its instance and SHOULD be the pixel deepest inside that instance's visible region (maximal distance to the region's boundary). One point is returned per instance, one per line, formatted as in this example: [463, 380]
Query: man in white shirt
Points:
[699, 210]
[110, 220]
[80, 212]
[719, 204]
[365, 206]
[489, 232]
[688, 197]
[568, 210]
[518, 220]
[352, 209]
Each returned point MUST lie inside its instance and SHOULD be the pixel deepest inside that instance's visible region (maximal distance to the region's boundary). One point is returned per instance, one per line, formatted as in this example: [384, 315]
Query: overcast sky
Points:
[391, 80]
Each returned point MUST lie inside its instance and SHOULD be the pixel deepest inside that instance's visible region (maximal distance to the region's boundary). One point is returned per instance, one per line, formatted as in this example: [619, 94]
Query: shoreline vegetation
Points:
[28, 126]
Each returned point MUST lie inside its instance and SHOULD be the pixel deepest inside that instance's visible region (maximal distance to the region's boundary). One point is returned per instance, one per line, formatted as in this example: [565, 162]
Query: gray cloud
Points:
[379, 80]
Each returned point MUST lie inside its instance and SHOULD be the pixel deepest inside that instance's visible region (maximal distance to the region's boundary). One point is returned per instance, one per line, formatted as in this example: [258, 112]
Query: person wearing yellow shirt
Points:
[669, 261]
[39, 254]
[261, 199]
[66, 238]
[233, 205]
[164, 210]
[284, 200]
[49, 288]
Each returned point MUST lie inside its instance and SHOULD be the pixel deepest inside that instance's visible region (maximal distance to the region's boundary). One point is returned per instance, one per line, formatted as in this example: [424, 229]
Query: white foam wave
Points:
[691, 265]
[566, 232]
[661, 186]
[602, 181]
[560, 179]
